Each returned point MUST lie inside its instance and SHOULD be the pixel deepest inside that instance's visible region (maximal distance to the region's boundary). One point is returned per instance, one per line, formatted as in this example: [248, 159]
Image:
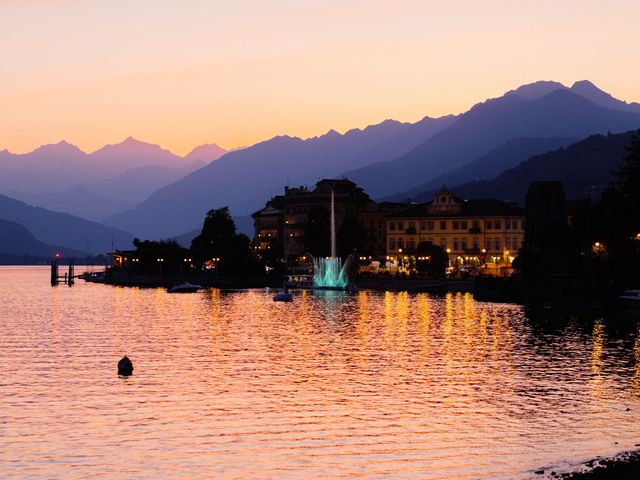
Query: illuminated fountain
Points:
[329, 272]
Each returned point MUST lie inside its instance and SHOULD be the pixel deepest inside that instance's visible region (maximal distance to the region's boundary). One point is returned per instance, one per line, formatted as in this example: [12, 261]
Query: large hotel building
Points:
[471, 231]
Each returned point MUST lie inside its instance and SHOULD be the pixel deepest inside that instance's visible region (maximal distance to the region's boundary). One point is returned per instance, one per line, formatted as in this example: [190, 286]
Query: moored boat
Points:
[284, 296]
[184, 287]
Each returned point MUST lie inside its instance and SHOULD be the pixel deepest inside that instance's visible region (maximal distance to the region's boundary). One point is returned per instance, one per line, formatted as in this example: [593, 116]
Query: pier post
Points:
[54, 272]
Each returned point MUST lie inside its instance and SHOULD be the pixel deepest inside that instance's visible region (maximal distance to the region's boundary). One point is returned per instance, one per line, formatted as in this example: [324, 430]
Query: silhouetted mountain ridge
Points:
[560, 113]
[63, 229]
[17, 240]
[585, 168]
[244, 179]
[489, 165]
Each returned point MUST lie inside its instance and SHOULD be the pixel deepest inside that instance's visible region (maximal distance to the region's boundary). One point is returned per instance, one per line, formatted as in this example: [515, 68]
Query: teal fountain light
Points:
[329, 272]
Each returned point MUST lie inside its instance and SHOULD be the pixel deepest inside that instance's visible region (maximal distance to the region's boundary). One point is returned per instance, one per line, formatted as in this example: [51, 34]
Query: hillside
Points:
[489, 165]
[63, 229]
[585, 168]
[16, 240]
[486, 126]
[245, 179]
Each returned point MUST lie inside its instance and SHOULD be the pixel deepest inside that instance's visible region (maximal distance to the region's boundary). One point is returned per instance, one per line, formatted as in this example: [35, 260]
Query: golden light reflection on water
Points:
[597, 355]
[234, 385]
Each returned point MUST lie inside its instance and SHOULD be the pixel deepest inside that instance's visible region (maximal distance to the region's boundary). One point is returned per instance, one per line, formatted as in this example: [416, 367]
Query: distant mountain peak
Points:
[535, 90]
[207, 152]
[61, 146]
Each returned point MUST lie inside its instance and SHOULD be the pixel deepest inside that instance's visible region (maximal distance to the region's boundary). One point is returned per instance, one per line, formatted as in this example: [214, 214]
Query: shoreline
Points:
[624, 466]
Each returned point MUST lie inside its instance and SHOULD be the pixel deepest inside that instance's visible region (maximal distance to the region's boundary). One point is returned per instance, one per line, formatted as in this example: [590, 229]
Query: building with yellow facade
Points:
[478, 232]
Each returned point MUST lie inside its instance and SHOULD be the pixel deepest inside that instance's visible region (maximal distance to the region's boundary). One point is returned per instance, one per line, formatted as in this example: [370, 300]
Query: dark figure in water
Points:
[125, 367]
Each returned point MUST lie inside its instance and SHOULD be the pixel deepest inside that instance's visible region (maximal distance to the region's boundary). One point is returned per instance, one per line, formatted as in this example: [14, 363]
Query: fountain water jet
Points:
[329, 272]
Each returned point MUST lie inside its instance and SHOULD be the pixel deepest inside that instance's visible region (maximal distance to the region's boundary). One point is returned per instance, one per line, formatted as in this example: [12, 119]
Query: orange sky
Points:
[183, 73]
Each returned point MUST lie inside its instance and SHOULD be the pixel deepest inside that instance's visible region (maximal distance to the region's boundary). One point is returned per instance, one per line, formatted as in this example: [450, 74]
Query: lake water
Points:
[374, 385]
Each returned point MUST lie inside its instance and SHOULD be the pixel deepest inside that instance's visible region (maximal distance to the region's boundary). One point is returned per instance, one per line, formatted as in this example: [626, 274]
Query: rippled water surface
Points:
[374, 385]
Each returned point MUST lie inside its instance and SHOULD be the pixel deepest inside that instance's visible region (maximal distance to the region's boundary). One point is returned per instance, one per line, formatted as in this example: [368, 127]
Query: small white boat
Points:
[184, 287]
[284, 296]
[630, 298]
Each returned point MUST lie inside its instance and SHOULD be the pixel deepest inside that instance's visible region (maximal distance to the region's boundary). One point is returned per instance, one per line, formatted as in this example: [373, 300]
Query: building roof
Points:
[469, 208]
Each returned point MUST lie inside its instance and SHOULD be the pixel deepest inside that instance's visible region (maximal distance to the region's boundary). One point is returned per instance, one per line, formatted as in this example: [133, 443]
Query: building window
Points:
[514, 243]
[463, 225]
[411, 244]
[400, 226]
[430, 225]
[392, 244]
[454, 225]
[487, 244]
[423, 225]
[488, 224]
[475, 243]
[507, 243]
[400, 243]
[411, 224]
[475, 224]
[497, 224]
[443, 243]
[463, 243]
[497, 243]
[507, 224]
[455, 244]
[443, 224]
[392, 226]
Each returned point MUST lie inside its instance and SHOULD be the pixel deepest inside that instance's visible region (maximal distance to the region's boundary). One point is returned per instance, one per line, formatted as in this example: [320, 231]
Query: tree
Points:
[437, 262]
[218, 240]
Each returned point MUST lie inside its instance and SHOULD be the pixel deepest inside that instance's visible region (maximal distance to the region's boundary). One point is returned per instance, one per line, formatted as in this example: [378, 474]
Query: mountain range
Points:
[585, 168]
[99, 184]
[390, 157]
[17, 241]
[55, 228]
[492, 150]
[245, 179]
[558, 113]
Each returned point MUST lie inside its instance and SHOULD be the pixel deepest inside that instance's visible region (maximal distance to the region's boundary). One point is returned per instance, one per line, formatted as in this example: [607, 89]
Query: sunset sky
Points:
[183, 73]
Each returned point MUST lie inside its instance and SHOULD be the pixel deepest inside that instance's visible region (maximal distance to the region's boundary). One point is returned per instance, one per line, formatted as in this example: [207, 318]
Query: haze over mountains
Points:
[558, 113]
[148, 191]
[63, 229]
[17, 241]
[585, 168]
[386, 158]
[245, 179]
[109, 180]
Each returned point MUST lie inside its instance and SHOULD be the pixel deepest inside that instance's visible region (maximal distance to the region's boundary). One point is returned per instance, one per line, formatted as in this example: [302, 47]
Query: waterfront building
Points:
[286, 218]
[478, 232]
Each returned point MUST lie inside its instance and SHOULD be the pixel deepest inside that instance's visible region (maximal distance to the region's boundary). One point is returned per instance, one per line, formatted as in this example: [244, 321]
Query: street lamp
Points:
[160, 262]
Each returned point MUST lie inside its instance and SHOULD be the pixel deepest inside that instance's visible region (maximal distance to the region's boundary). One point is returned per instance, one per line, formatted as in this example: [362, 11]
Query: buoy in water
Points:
[125, 367]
